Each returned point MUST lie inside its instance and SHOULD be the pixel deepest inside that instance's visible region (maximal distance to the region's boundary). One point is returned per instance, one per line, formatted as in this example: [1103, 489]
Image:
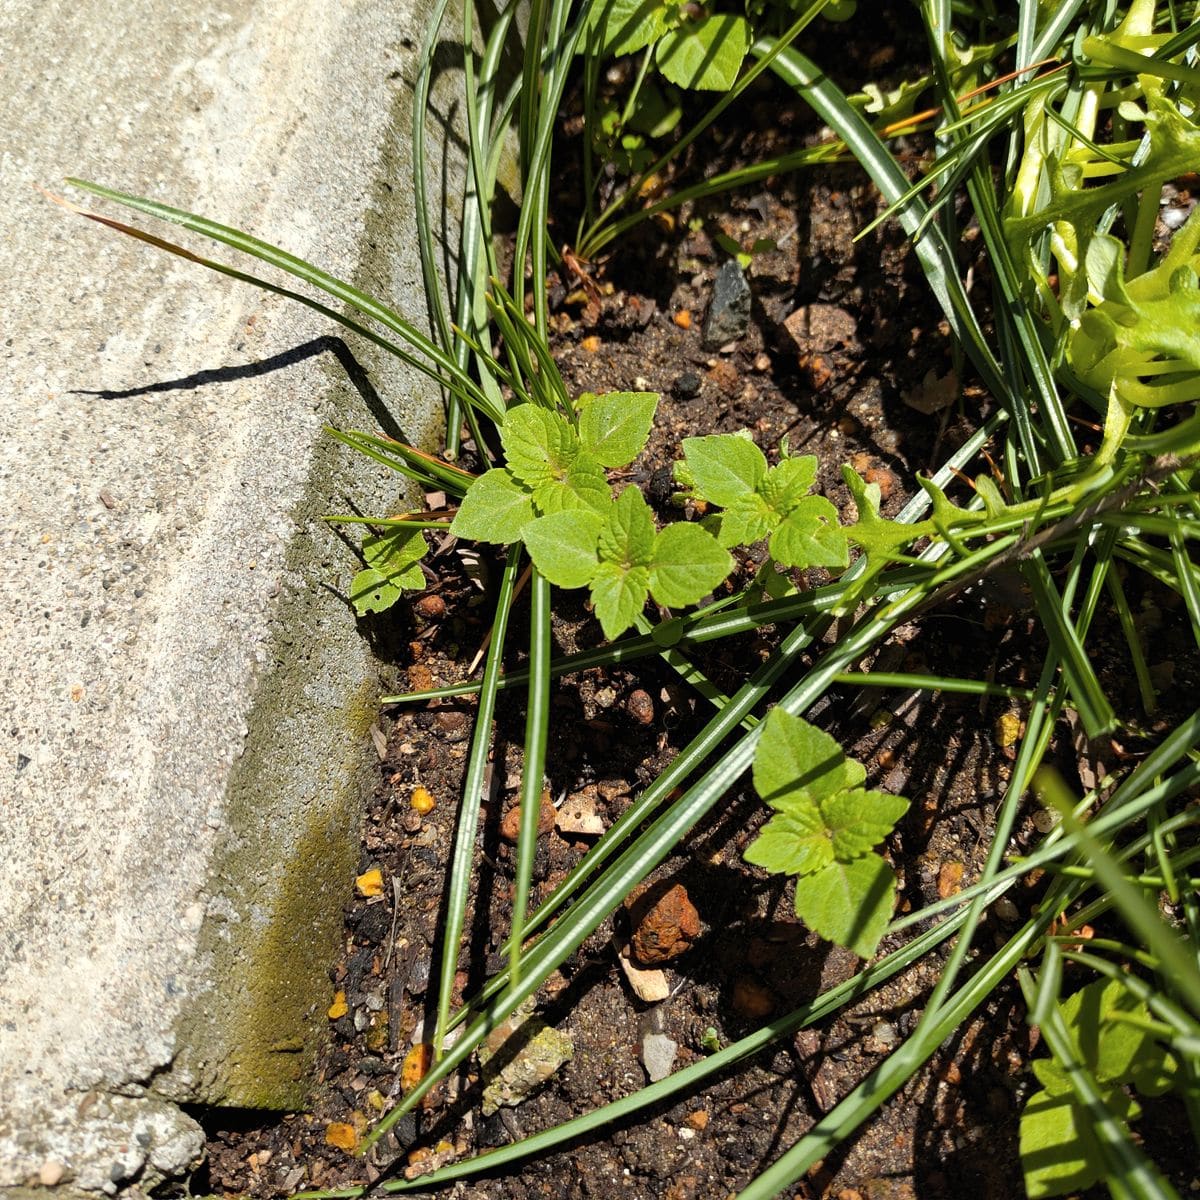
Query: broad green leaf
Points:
[495, 509]
[810, 536]
[627, 537]
[563, 546]
[614, 427]
[581, 484]
[794, 842]
[1059, 1151]
[724, 466]
[538, 444]
[373, 591]
[796, 758]
[393, 549]
[859, 820]
[411, 579]
[626, 26]
[746, 520]
[706, 55]
[618, 595]
[849, 903]
[686, 564]
[1113, 1049]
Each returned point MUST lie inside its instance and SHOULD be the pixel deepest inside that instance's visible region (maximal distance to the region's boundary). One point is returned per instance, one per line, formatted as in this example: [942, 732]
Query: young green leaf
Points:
[724, 466]
[823, 831]
[626, 26]
[495, 509]
[613, 428]
[623, 559]
[563, 546]
[1106, 1023]
[705, 55]
[392, 568]
[686, 563]
[849, 903]
[618, 595]
[730, 470]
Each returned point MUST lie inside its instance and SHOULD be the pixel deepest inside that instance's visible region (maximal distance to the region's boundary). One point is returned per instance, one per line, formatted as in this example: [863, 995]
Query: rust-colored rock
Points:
[665, 923]
[640, 707]
[510, 826]
[431, 607]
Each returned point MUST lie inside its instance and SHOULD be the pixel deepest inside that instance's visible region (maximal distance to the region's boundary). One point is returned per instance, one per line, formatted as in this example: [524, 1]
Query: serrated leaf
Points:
[539, 445]
[614, 427]
[495, 509]
[789, 481]
[746, 520]
[618, 595]
[563, 546]
[810, 536]
[795, 758]
[627, 536]
[686, 564]
[859, 820]
[794, 842]
[849, 903]
[724, 466]
[706, 55]
[581, 484]
[626, 26]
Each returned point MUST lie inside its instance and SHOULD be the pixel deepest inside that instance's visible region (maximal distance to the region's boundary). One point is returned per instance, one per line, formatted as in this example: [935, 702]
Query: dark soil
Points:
[838, 389]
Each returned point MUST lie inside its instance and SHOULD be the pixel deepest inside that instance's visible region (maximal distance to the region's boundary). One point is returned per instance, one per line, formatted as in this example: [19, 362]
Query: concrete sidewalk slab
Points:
[186, 708]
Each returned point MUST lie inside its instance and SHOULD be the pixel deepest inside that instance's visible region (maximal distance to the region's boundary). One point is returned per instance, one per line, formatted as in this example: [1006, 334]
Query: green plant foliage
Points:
[1140, 339]
[824, 829]
[550, 467]
[729, 470]
[1107, 1027]
[392, 568]
[622, 559]
[704, 54]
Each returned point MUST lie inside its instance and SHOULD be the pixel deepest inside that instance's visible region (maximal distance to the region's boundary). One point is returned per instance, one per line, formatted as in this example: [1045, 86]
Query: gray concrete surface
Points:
[186, 708]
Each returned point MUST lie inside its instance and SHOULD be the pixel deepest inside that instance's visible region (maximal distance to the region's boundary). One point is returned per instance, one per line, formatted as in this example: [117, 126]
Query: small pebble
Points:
[1044, 820]
[422, 800]
[1006, 910]
[658, 1055]
[640, 707]
[683, 318]
[50, 1173]
[431, 607]
[686, 385]
[729, 311]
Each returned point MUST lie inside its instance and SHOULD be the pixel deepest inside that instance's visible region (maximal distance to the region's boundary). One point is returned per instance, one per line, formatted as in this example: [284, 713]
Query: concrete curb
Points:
[187, 705]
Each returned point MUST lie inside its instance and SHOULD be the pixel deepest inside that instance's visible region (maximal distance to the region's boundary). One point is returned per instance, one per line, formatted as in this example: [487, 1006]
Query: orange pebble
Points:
[683, 318]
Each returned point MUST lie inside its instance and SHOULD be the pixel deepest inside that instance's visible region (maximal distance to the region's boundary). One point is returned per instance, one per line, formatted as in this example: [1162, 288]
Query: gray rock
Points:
[658, 1055]
[186, 709]
[729, 310]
